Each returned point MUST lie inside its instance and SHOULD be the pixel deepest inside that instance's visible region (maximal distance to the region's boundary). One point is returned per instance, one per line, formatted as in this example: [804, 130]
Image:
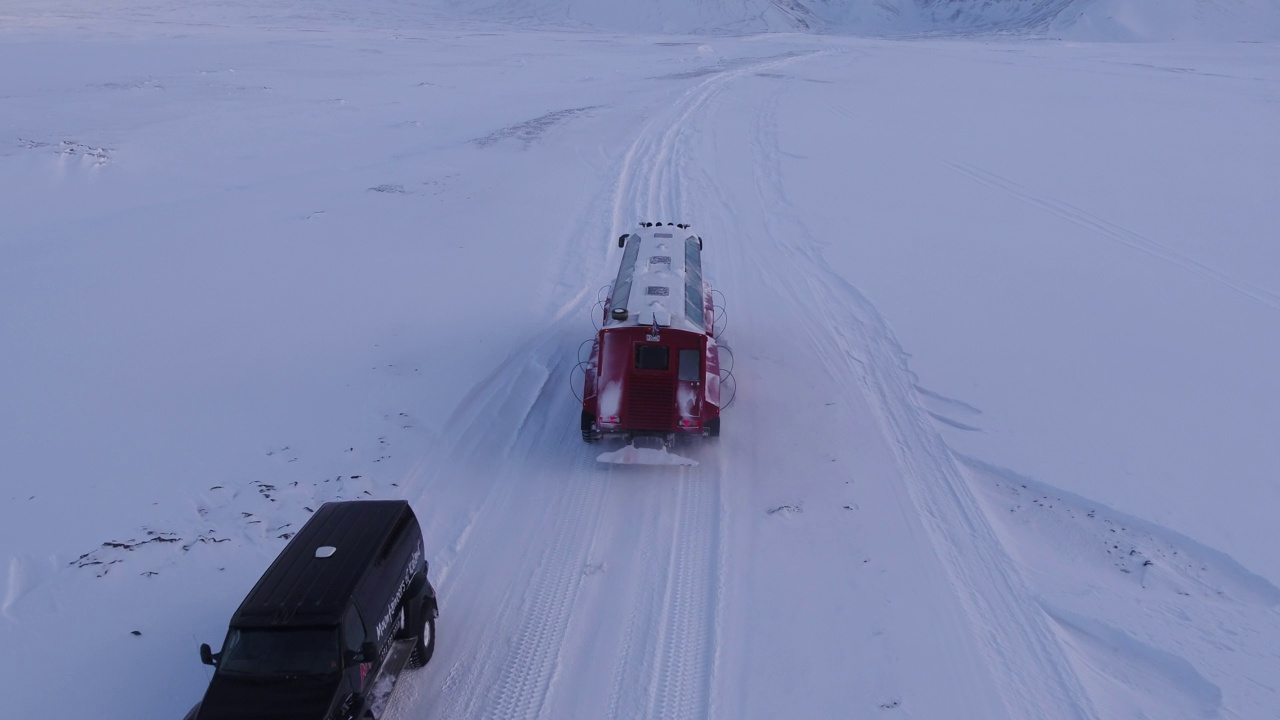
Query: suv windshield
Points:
[280, 652]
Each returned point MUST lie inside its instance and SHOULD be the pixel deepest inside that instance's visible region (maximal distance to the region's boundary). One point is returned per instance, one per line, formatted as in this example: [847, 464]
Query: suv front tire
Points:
[426, 645]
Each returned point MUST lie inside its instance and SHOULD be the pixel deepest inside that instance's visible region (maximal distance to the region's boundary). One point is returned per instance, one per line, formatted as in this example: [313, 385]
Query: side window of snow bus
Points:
[652, 357]
[690, 366]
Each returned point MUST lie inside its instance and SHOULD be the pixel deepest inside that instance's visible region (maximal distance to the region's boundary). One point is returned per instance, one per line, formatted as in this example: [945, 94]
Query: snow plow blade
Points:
[632, 455]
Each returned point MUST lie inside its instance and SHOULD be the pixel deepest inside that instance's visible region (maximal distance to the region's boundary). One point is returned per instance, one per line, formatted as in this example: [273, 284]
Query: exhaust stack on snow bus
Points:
[654, 368]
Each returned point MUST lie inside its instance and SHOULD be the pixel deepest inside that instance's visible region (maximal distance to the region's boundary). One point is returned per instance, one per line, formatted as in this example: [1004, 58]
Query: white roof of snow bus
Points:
[660, 276]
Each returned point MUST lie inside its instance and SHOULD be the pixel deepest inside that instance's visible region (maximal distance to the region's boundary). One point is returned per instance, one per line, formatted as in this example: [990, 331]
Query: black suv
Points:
[325, 632]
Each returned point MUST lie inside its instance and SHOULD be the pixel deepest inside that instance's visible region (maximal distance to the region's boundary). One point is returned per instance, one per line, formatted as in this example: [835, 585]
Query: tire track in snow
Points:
[633, 658]
[681, 683]
[512, 502]
[1025, 658]
[1119, 234]
[652, 179]
[663, 664]
[519, 666]
[542, 509]
[526, 677]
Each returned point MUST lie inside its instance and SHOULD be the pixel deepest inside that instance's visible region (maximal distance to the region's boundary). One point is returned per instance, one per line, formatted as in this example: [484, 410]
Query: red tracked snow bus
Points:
[654, 368]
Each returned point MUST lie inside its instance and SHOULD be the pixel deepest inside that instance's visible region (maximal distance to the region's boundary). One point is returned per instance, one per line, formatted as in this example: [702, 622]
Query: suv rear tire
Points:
[426, 645]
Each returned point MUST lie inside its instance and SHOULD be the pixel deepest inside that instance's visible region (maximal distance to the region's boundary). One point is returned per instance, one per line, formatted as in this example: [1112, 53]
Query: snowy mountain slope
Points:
[1081, 20]
[1124, 20]
[292, 256]
[1129, 20]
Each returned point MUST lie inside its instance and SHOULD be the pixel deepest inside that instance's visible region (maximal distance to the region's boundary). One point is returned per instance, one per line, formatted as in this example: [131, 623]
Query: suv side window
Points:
[352, 630]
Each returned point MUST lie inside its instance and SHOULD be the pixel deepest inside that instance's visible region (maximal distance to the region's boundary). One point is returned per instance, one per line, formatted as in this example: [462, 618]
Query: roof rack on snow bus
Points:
[655, 366]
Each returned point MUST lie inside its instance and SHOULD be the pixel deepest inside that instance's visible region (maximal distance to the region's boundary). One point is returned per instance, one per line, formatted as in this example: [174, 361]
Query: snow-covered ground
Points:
[1004, 312]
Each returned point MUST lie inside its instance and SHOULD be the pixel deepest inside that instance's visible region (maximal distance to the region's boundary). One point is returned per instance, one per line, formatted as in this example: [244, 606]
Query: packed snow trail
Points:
[658, 587]
[630, 561]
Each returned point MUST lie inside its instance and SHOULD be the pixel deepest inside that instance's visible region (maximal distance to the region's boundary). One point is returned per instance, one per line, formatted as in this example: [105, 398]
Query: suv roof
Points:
[301, 589]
